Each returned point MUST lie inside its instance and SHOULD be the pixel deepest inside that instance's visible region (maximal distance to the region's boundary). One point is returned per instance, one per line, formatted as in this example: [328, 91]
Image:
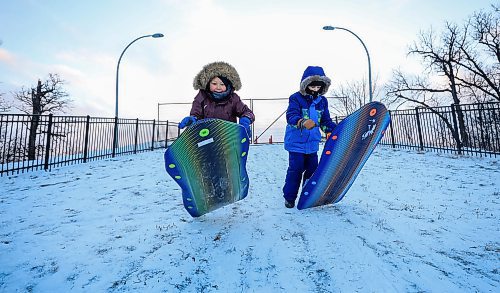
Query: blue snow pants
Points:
[298, 164]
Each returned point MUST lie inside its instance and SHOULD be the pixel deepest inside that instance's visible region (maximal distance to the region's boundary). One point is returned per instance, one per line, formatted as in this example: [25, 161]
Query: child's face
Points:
[217, 86]
[314, 88]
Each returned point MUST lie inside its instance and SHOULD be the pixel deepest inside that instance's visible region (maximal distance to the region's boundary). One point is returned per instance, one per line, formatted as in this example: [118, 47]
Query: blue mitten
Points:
[245, 122]
[187, 121]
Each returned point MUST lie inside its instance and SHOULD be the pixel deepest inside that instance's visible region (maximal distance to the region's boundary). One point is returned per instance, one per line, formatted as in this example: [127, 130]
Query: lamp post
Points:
[331, 28]
[120, 59]
[115, 140]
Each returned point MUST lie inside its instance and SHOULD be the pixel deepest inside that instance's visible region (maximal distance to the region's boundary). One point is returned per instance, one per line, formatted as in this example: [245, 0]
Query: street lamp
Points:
[331, 28]
[115, 140]
[157, 35]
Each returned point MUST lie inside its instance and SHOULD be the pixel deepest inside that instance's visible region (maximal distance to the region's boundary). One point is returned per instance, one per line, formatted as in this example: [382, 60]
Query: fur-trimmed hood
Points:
[314, 73]
[214, 69]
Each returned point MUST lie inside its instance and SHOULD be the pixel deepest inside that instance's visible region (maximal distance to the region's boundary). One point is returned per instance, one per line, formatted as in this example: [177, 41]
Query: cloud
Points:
[270, 43]
[270, 51]
[7, 58]
[91, 80]
[19, 71]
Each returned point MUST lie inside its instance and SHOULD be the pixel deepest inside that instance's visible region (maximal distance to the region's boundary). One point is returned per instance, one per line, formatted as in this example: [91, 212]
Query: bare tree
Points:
[405, 88]
[481, 57]
[353, 95]
[47, 97]
[462, 65]
[4, 107]
[441, 58]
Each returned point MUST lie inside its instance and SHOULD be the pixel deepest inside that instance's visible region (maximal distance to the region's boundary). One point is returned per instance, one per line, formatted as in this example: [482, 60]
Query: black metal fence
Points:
[41, 142]
[30, 142]
[472, 129]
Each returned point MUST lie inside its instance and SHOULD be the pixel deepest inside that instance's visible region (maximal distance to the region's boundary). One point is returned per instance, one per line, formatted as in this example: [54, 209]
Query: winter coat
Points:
[299, 104]
[205, 106]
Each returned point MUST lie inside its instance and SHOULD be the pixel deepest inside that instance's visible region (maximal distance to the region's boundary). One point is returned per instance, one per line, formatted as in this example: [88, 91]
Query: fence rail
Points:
[33, 142]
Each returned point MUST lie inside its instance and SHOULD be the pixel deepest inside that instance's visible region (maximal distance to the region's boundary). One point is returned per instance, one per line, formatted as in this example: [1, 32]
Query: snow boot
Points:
[289, 204]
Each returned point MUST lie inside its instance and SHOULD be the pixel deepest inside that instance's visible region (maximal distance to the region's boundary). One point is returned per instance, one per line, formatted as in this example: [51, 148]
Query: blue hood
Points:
[314, 73]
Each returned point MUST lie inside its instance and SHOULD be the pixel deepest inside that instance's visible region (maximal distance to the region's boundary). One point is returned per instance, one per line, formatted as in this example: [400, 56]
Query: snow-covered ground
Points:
[411, 222]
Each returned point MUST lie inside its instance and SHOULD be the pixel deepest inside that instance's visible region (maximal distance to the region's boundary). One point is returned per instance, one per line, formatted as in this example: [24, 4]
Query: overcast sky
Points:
[269, 42]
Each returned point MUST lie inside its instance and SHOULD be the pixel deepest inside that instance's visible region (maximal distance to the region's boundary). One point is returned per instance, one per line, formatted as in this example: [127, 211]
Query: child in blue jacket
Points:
[307, 112]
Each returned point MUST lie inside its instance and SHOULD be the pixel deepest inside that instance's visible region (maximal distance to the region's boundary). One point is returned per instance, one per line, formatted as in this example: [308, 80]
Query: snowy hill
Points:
[411, 222]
